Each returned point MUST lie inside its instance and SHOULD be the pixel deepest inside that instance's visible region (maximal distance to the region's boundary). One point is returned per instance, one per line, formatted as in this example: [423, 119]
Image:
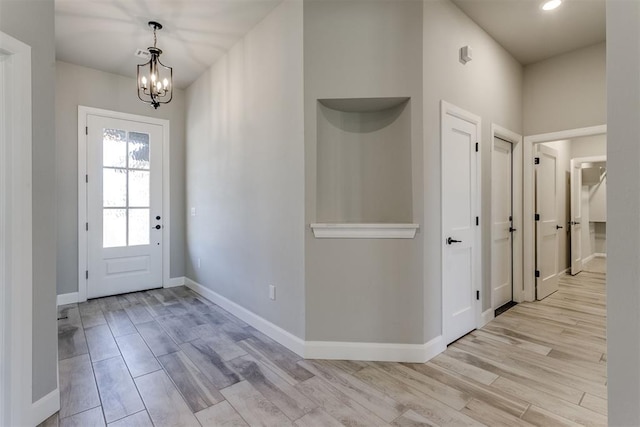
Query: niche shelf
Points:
[364, 177]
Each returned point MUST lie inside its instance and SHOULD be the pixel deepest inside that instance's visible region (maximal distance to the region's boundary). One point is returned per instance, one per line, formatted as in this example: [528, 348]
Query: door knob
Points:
[450, 241]
[158, 227]
[558, 227]
[158, 217]
[511, 229]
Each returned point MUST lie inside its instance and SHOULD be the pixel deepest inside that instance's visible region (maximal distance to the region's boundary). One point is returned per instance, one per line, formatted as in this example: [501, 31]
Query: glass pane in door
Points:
[125, 188]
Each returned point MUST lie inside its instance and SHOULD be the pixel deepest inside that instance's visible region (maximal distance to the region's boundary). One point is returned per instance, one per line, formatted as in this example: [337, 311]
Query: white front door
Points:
[502, 221]
[576, 217]
[546, 222]
[460, 275]
[124, 198]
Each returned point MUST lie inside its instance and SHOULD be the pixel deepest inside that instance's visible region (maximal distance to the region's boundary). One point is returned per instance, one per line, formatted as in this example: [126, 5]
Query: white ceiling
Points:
[531, 34]
[104, 34]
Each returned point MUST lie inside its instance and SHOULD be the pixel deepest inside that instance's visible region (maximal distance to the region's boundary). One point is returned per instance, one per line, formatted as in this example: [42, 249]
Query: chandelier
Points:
[155, 80]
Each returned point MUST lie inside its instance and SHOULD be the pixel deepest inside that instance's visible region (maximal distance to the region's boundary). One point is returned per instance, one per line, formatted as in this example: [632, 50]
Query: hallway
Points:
[169, 357]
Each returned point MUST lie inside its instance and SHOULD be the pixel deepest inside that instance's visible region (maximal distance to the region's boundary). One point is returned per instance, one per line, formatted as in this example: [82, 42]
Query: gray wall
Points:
[76, 85]
[589, 146]
[32, 22]
[245, 172]
[623, 205]
[489, 86]
[565, 92]
[363, 290]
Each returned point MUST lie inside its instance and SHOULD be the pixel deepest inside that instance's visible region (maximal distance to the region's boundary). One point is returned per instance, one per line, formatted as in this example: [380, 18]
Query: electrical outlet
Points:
[193, 211]
[272, 292]
[198, 262]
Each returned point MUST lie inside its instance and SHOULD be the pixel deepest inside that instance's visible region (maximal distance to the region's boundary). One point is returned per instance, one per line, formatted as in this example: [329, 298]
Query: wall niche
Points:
[364, 161]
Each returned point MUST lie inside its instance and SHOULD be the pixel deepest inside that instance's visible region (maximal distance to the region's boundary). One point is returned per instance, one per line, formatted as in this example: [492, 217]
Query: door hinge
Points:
[477, 220]
[86, 130]
[537, 273]
[478, 295]
[477, 147]
[86, 178]
[86, 226]
[537, 217]
[536, 161]
[86, 274]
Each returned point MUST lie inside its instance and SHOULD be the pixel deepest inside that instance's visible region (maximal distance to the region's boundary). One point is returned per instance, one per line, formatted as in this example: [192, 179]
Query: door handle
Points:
[158, 217]
[450, 241]
[511, 229]
[158, 227]
[558, 227]
[575, 223]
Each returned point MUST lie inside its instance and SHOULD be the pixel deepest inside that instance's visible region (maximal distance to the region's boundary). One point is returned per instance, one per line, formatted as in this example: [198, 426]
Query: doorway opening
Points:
[552, 227]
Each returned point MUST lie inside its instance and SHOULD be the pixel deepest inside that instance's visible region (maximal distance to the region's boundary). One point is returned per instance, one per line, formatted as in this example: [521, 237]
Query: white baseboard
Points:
[486, 317]
[600, 255]
[45, 407]
[383, 352]
[69, 298]
[175, 281]
[589, 258]
[275, 332]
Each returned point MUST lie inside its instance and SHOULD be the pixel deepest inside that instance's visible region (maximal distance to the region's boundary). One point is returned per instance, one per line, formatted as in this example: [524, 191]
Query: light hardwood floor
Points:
[169, 357]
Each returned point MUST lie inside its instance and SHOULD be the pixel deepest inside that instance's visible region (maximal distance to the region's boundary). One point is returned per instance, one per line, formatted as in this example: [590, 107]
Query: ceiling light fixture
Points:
[551, 4]
[155, 80]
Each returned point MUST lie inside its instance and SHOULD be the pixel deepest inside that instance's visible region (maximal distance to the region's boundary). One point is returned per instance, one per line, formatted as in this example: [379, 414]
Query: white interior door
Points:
[576, 217]
[502, 223]
[124, 198]
[547, 222]
[460, 275]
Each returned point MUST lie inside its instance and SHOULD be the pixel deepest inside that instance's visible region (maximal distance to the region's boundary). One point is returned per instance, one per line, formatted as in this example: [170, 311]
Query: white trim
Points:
[600, 255]
[70, 298]
[45, 407]
[447, 108]
[384, 352]
[487, 316]
[83, 112]
[529, 243]
[381, 352]
[516, 160]
[364, 231]
[16, 265]
[285, 338]
[565, 271]
[175, 281]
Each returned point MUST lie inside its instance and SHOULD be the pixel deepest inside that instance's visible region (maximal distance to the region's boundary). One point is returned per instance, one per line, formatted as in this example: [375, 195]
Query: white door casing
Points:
[576, 217]
[83, 194]
[16, 262]
[501, 223]
[547, 223]
[461, 273]
[124, 198]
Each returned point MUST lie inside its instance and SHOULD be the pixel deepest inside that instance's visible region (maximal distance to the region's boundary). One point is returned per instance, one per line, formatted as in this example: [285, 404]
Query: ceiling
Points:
[104, 34]
[531, 34]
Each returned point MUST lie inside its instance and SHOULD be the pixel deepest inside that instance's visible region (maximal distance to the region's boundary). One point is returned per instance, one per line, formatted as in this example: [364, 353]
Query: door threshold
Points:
[505, 307]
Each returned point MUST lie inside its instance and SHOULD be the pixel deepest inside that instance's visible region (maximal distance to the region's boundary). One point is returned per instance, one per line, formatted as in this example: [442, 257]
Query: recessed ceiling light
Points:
[551, 4]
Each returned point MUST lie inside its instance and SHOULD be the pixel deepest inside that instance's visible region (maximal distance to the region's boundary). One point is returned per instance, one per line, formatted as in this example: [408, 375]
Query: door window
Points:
[126, 184]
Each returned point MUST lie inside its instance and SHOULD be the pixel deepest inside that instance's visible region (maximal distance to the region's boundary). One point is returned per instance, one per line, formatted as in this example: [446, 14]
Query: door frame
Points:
[16, 262]
[447, 108]
[516, 200]
[83, 235]
[529, 243]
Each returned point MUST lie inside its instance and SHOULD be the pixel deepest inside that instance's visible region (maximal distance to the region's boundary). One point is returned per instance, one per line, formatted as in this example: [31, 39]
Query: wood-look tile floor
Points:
[169, 357]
